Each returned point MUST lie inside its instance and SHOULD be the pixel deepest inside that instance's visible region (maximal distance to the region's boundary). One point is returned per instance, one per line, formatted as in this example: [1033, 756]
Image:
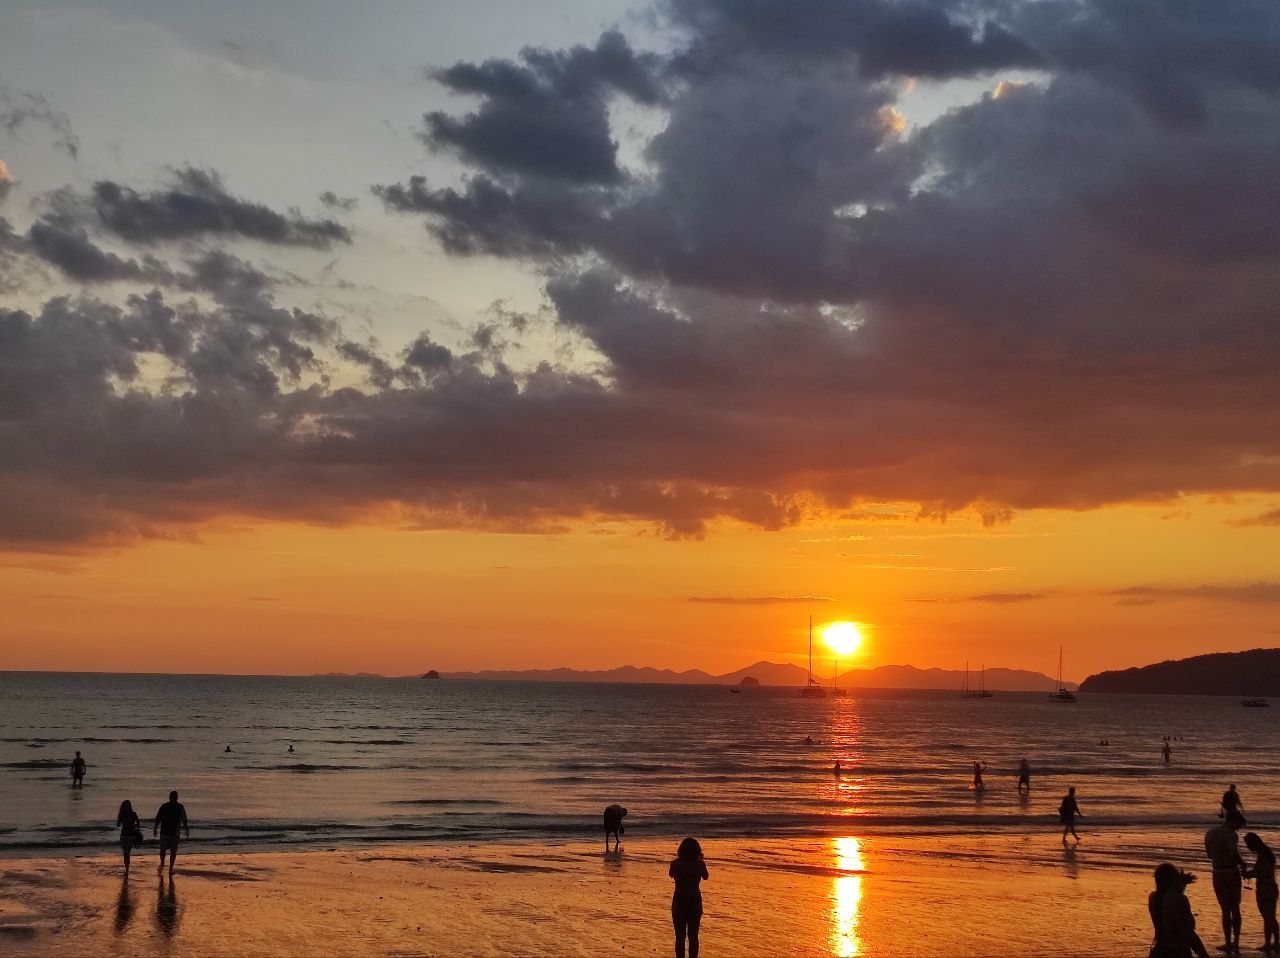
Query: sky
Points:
[395, 336]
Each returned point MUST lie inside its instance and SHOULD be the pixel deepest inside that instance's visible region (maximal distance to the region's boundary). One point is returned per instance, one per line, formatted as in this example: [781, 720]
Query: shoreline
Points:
[844, 896]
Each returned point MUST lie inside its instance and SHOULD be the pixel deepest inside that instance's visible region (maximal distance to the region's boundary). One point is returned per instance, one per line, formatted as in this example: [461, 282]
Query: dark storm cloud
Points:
[67, 246]
[198, 204]
[927, 39]
[1059, 294]
[547, 114]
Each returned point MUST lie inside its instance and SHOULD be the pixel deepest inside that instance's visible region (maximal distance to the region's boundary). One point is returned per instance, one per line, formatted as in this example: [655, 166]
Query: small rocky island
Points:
[1252, 673]
[749, 681]
[433, 674]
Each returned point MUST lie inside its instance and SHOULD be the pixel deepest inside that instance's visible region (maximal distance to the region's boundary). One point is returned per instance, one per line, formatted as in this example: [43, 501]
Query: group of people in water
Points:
[1174, 924]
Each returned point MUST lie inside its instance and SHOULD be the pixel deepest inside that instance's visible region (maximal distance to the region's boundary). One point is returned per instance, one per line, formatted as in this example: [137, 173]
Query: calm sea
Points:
[408, 760]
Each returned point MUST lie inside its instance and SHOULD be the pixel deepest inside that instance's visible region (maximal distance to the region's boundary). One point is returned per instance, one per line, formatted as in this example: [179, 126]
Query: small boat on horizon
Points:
[1255, 703]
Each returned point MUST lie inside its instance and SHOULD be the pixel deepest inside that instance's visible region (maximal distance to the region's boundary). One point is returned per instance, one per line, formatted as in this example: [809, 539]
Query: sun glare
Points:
[842, 638]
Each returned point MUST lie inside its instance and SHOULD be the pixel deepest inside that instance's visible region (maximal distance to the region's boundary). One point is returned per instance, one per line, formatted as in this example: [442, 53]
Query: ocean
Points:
[380, 761]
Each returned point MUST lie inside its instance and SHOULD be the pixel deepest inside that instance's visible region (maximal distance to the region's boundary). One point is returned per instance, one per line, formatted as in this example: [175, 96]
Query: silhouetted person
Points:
[130, 830]
[1167, 752]
[1068, 812]
[1265, 889]
[688, 870]
[808, 740]
[1230, 802]
[171, 817]
[290, 749]
[77, 771]
[613, 816]
[227, 749]
[1222, 845]
[1171, 916]
[1024, 775]
[837, 770]
[977, 776]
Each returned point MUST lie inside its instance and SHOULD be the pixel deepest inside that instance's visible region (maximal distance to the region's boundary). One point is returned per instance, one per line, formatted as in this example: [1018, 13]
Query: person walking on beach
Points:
[1266, 891]
[977, 776]
[1230, 802]
[1024, 775]
[1171, 916]
[1222, 845]
[171, 817]
[613, 816]
[78, 767]
[130, 830]
[687, 870]
[1068, 812]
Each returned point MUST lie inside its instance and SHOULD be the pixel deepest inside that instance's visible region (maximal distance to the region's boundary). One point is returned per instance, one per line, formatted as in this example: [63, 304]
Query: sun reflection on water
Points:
[846, 898]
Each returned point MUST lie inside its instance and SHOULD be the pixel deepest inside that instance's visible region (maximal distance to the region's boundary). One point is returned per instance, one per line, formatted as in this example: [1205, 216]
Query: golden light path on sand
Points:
[846, 898]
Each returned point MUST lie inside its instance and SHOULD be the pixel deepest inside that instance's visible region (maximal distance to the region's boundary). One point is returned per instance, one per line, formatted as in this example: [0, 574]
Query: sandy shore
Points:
[841, 897]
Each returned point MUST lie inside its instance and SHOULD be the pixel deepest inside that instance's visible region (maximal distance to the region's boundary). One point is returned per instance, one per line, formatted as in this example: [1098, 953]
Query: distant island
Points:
[777, 674]
[1252, 673]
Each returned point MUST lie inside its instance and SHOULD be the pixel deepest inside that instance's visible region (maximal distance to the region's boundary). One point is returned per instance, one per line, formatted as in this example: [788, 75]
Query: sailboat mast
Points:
[811, 650]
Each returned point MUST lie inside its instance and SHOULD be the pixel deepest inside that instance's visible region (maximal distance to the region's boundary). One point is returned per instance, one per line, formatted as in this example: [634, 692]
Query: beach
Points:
[465, 818]
[839, 897]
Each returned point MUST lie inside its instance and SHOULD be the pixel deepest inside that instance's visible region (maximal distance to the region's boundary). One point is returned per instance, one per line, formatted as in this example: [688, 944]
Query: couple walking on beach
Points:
[169, 821]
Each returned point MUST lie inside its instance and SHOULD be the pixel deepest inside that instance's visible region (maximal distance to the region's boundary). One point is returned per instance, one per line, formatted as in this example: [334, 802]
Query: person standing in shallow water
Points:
[1222, 845]
[977, 776]
[1167, 752]
[1171, 916]
[1024, 775]
[130, 830]
[688, 870]
[1266, 890]
[77, 771]
[1230, 802]
[1068, 812]
[171, 817]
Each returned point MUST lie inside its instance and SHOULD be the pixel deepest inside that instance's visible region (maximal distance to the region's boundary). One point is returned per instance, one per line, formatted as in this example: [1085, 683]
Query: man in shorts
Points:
[613, 816]
[171, 817]
[1222, 845]
[77, 771]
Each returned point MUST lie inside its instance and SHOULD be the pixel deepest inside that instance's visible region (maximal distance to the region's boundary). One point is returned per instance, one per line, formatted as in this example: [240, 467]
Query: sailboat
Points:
[813, 688]
[983, 691]
[1063, 694]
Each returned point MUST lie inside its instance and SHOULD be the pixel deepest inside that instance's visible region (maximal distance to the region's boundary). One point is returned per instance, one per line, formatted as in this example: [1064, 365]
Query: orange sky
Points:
[284, 598]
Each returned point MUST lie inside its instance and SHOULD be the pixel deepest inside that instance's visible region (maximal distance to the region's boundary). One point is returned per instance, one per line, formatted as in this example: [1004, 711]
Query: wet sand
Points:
[843, 897]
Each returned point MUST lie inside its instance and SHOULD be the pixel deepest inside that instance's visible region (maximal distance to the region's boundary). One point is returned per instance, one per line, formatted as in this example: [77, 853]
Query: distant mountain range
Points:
[1252, 673]
[773, 673]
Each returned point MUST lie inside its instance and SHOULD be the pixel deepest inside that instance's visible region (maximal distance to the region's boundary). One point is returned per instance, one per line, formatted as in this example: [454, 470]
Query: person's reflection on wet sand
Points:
[1069, 863]
[124, 906]
[167, 912]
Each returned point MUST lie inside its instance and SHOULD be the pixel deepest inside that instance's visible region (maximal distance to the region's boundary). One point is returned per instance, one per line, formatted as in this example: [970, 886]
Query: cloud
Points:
[1269, 518]
[1059, 294]
[761, 600]
[1249, 594]
[198, 204]
[6, 181]
[991, 598]
[546, 115]
[19, 109]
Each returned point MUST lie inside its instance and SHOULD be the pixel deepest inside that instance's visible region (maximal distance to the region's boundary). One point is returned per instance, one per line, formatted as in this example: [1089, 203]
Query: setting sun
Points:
[842, 638]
